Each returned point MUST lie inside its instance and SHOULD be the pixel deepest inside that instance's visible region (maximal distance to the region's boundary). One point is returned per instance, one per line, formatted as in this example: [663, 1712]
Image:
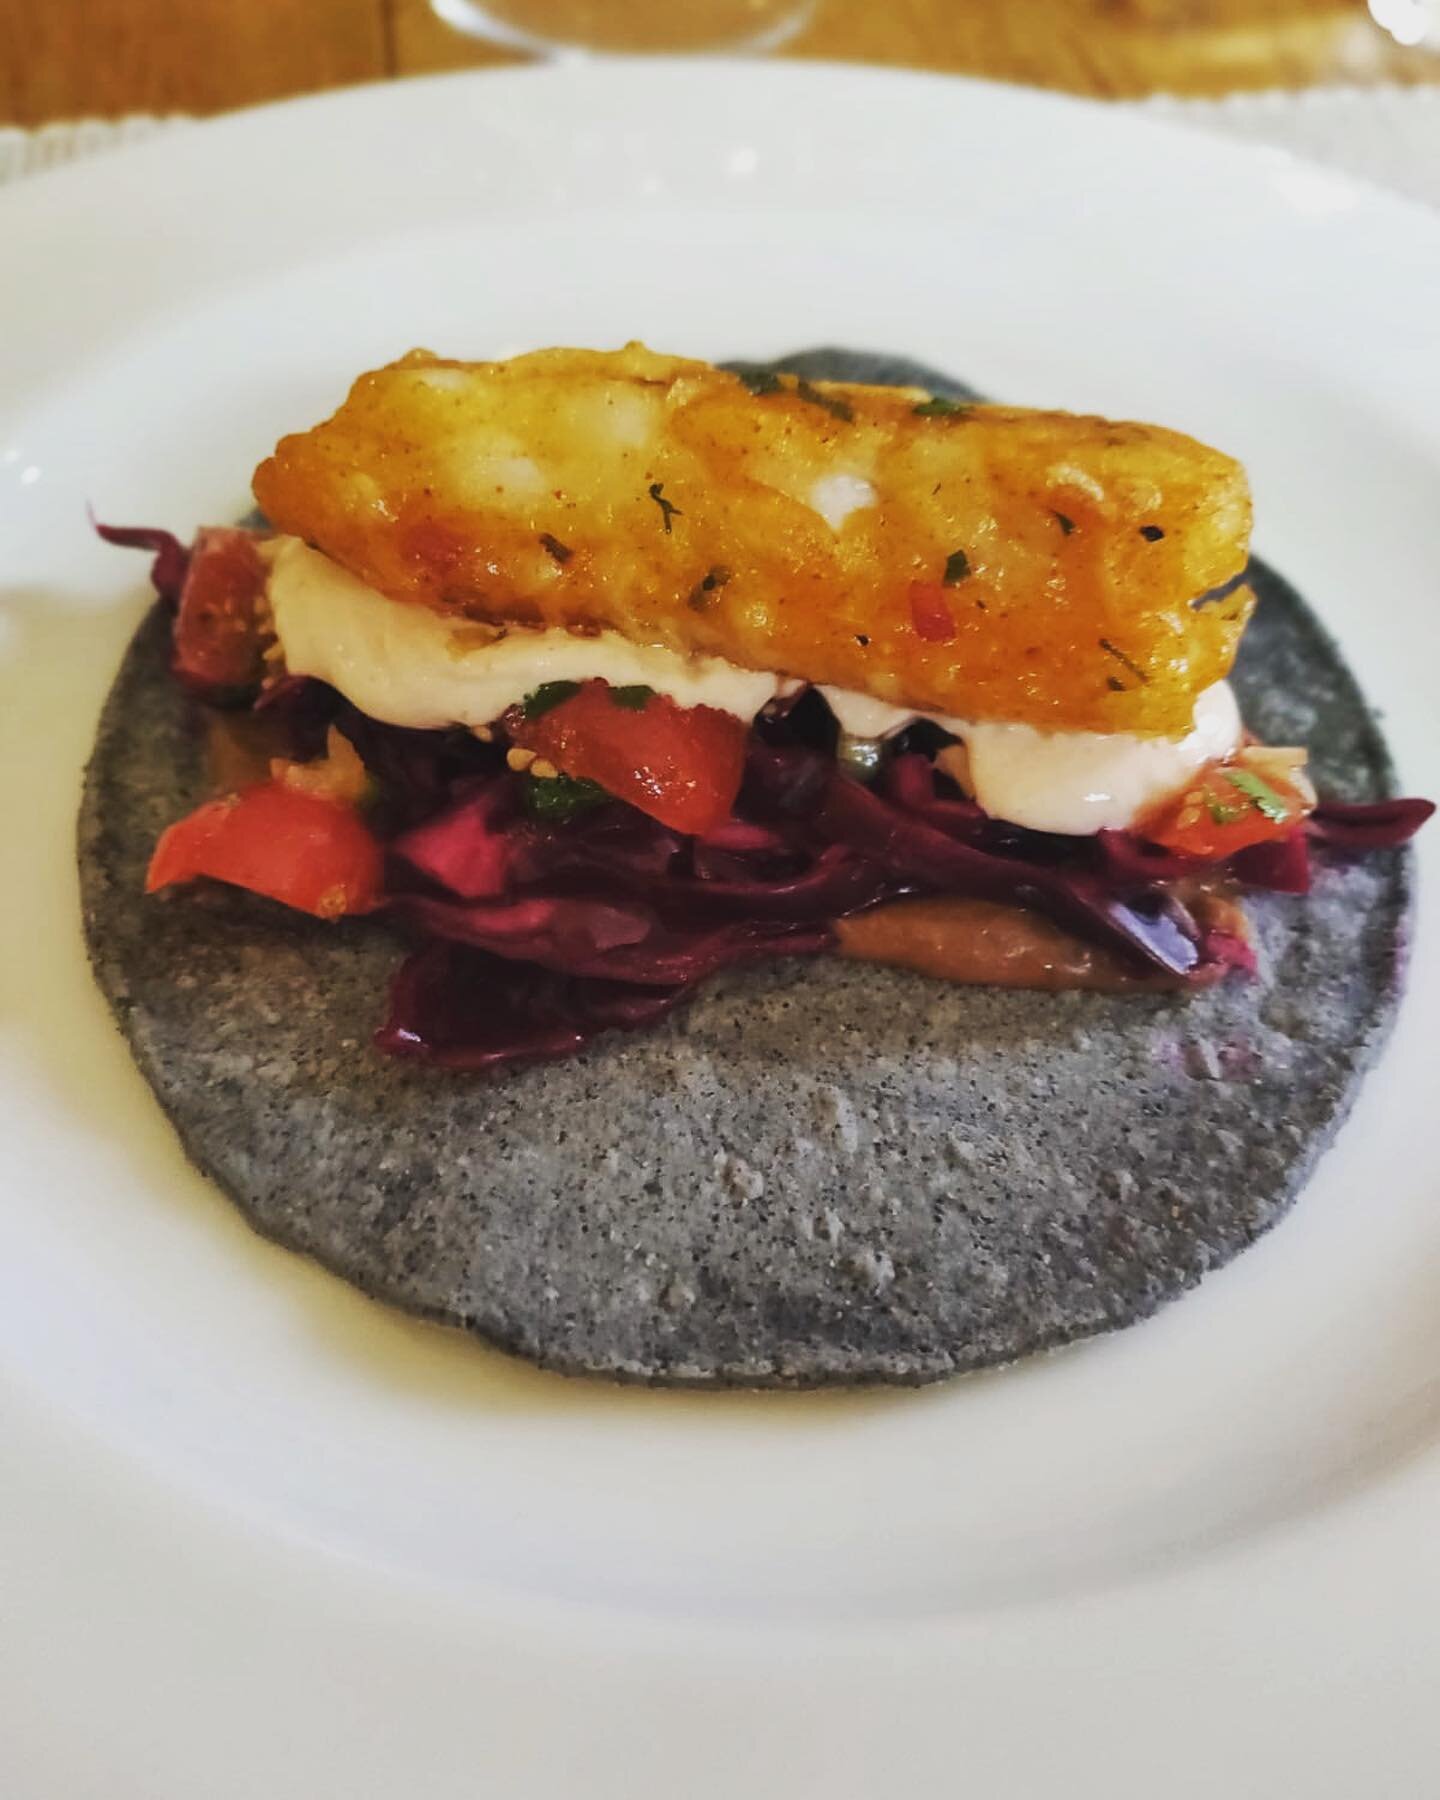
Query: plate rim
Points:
[1244, 1586]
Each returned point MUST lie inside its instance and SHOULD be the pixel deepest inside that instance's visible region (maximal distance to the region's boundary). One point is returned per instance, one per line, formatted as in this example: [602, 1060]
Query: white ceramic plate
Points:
[258, 1536]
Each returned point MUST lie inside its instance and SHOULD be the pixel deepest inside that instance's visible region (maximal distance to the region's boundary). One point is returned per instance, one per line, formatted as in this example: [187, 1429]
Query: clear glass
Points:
[1414, 23]
[628, 27]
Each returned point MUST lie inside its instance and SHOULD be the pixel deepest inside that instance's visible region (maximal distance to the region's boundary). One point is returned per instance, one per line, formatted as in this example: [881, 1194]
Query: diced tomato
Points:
[680, 764]
[1228, 807]
[304, 851]
[218, 631]
[930, 612]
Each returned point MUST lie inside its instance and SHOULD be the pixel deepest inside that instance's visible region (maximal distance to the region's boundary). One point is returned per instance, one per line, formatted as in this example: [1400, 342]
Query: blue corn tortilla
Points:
[819, 1172]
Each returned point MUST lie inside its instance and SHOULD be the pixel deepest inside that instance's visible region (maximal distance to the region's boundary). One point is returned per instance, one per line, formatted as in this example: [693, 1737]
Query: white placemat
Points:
[27, 152]
[1390, 135]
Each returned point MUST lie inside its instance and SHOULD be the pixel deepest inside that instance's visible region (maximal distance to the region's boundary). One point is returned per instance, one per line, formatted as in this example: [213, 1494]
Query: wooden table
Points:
[68, 58]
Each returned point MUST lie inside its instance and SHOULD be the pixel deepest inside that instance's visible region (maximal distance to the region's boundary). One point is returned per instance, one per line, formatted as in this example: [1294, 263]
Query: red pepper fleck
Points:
[930, 612]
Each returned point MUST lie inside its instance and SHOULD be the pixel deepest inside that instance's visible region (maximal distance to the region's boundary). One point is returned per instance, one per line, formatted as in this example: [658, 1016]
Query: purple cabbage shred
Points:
[172, 558]
[1368, 824]
[530, 938]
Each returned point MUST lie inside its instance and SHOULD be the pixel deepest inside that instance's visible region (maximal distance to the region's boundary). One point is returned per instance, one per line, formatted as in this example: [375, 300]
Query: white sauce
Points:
[1078, 782]
[409, 666]
[1071, 782]
[864, 717]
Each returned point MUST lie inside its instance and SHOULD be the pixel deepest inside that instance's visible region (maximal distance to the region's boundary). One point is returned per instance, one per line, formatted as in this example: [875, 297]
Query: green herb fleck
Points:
[561, 552]
[957, 567]
[1124, 661]
[1222, 814]
[547, 697]
[940, 406]
[634, 698]
[1265, 798]
[830, 403]
[758, 378]
[562, 798]
[668, 509]
[703, 592]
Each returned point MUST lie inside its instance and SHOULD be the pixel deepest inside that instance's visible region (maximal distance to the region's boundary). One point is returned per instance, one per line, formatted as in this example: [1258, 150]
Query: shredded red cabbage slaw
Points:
[529, 937]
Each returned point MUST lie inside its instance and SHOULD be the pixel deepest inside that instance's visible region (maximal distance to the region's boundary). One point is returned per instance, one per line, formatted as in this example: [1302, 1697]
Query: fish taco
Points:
[776, 875]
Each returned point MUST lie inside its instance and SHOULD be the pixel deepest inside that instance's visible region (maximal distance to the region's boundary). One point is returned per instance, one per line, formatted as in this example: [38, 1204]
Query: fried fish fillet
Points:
[980, 562]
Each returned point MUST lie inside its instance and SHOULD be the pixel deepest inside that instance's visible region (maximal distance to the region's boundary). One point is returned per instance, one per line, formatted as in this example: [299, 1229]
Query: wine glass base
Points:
[563, 29]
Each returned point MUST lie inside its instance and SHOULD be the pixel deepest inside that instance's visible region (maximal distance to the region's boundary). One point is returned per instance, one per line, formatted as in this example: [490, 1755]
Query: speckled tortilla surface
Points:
[819, 1172]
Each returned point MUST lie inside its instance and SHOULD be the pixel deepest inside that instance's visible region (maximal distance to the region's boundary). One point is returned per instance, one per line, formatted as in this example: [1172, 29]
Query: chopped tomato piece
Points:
[304, 851]
[680, 764]
[219, 637]
[930, 612]
[1229, 807]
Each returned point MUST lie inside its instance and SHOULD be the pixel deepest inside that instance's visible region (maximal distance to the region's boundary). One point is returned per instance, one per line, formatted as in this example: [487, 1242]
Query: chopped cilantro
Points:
[1263, 796]
[562, 798]
[634, 698]
[940, 406]
[668, 509]
[758, 378]
[561, 552]
[547, 697]
[830, 403]
[1223, 815]
[957, 567]
[704, 591]
[1125, 661]
[1223, 592]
